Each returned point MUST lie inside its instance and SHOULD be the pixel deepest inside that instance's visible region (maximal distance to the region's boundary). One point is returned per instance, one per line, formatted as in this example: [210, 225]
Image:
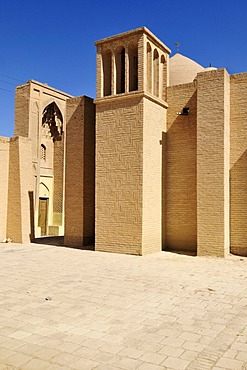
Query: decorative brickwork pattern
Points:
[119, 171]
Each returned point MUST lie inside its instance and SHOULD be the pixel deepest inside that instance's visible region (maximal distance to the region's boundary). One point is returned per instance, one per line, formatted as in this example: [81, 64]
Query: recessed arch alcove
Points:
[52, 118]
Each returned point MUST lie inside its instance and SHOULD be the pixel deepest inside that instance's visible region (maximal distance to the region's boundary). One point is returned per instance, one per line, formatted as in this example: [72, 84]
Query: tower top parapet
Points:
[133, 61]
[136, 31]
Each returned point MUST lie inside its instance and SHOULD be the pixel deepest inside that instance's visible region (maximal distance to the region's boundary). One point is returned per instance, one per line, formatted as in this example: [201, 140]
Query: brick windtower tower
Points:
[132, 76]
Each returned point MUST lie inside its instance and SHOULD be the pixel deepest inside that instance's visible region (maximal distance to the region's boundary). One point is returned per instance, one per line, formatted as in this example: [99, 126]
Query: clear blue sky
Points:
[53, 41]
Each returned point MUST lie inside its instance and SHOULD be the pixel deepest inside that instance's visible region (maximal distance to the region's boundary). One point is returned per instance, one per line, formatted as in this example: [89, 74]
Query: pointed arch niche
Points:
[44, 191]
[52, 121]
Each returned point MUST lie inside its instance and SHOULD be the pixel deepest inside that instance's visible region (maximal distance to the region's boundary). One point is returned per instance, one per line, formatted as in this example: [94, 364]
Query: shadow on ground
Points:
[183, 252]
[59, 242]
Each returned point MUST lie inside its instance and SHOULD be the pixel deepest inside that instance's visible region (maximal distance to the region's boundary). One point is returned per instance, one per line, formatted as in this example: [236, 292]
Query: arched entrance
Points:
[43, 208]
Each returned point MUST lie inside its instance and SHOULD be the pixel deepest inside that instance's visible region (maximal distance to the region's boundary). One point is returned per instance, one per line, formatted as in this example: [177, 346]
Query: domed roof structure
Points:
[183, 70]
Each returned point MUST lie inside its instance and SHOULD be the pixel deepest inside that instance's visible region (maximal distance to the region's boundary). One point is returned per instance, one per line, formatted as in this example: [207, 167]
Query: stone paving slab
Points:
[62, 308]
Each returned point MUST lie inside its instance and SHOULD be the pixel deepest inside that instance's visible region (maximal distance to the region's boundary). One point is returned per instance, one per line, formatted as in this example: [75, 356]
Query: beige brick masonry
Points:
[20, 192]
[4, 181]
[213, 149]
[80, 172]
[238, 164]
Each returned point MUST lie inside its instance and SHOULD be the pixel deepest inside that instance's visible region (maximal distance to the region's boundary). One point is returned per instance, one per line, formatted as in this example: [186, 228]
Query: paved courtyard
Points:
[62, 308]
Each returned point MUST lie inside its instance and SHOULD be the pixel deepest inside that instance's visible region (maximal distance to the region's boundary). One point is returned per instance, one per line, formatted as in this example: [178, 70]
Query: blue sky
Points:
[53, 41]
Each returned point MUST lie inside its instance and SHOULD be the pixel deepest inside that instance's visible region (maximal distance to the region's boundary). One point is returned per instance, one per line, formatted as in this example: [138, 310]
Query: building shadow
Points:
[179, 176]
[183, 252]
[238, 210]
[58, 241]
[50, 240]
[31, 207]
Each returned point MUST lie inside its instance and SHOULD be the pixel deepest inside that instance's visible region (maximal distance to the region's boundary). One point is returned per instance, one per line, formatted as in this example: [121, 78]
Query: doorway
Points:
[43, 215]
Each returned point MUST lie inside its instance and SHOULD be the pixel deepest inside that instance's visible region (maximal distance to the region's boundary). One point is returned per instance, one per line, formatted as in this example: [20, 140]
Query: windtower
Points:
[132, 77]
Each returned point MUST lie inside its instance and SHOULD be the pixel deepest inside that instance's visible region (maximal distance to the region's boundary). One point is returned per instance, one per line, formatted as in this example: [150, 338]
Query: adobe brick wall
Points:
[22, 101]
[20, 192]
[58, 182]
[238, 164]
[154, 125]
[80, 172]
[4, 180]
[180, 208]
[119, 171]
[213, 150]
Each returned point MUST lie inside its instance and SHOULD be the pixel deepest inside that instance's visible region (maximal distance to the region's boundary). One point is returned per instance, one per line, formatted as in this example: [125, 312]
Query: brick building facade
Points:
[156, 162]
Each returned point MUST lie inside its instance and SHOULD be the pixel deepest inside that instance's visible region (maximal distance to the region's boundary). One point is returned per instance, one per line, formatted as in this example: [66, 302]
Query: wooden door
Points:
[43, 212]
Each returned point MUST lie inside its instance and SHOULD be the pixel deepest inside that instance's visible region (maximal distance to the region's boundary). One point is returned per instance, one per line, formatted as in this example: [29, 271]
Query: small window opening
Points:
[156, 73]
[149, 68]
[185, 111]
[120, 69]
[133, 69]
[107, 72]
[43, 152]
[163, 78]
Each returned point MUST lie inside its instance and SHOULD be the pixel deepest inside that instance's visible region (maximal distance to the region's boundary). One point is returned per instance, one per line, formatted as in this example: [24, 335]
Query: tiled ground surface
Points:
[71, 309]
